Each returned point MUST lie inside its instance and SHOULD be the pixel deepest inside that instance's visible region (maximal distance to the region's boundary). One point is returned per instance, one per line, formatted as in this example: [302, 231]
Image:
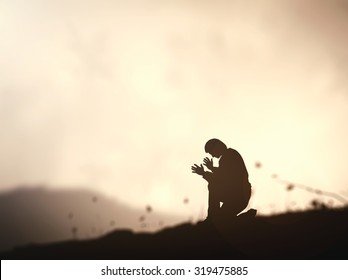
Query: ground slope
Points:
[316, 234]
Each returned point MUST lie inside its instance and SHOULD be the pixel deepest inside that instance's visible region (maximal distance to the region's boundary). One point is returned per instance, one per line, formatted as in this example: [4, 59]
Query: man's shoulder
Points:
[232, 154]
[231, 151]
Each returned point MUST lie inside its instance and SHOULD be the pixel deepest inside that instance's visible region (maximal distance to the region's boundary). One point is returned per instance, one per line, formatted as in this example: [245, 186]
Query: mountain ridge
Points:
[42, 215]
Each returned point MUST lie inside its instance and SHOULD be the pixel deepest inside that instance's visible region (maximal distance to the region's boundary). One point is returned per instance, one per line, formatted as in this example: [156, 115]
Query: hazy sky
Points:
[121, 97]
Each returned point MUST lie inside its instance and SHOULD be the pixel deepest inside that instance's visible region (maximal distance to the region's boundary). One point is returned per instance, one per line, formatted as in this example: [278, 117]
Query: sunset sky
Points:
[121, 96]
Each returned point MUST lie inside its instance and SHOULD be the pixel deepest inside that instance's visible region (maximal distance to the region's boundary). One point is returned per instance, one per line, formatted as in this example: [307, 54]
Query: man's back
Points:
[230, 179]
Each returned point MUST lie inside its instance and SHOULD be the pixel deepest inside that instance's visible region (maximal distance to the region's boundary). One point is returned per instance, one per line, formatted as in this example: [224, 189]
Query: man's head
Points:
[215, 147]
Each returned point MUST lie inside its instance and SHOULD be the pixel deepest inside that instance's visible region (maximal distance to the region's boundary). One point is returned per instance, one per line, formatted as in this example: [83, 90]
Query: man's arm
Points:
[207, 176]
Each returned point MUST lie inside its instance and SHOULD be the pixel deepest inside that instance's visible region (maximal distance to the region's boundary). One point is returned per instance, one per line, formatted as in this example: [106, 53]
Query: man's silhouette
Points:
[228, 183]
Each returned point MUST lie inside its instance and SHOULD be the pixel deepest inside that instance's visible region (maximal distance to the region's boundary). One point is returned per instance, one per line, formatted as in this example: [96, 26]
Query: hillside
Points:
[315, 234]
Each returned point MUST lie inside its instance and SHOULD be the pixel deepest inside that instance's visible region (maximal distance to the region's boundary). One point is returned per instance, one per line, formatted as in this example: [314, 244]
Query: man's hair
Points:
[209, 146]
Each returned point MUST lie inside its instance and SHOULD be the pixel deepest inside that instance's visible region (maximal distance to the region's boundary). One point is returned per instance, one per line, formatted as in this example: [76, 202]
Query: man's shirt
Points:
[230, 180]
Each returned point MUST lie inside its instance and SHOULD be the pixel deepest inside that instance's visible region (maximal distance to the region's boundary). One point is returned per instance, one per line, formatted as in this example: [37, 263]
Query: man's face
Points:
[215, 152]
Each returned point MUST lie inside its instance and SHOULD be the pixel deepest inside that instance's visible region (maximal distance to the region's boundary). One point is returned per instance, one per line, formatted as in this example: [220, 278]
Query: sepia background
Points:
[117, 98]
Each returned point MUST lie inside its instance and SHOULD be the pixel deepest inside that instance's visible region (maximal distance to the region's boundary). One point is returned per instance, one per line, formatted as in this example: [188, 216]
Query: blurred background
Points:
[111, 102]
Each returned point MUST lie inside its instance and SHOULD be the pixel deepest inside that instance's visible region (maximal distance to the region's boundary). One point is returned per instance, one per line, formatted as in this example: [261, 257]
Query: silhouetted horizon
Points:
[314, 234]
